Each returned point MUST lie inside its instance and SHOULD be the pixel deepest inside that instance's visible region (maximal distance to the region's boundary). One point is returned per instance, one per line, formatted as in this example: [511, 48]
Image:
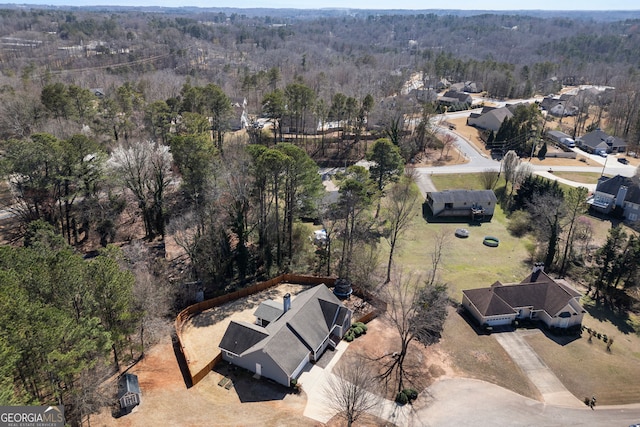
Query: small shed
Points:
[129, 394]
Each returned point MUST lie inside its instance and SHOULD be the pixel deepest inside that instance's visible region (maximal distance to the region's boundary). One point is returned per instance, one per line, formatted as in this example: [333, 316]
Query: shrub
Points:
[401, 398]
[599, 335]
[604, 337]
[411, 393]
[519, 223]
[349, 336]
[293, 382]
[357, 331]
[362, 326]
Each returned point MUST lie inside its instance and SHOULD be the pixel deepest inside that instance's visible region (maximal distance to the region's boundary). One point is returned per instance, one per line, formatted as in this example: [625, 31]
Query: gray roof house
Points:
[295, 333]
[537, 297]
[598, 141]
[489, 118]
[453, 97]
[476, 204]
[618, 191]
[129, 395]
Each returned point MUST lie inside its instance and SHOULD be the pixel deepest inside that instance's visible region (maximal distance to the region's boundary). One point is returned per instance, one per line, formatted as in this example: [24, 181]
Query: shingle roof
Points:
[612, 186]
[470, 196]
[597, 137]
[269, 310]
[128, 383]
[291, 337]
[538, 291]
[241, 336]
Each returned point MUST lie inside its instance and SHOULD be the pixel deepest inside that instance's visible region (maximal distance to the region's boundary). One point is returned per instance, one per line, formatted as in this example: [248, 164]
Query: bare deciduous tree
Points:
[417, 310]
[489, 178]
[145, 169]
[400, 206]
[510, 164]
[351, 390]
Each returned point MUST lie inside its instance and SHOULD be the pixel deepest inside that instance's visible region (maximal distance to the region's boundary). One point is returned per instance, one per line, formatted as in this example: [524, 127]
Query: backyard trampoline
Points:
[491, 241]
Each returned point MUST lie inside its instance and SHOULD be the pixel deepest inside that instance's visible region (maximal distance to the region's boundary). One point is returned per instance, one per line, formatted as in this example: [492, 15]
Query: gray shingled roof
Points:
[469, 196]
[128, 383]
[596, 138]
[269, 310]
[241, 336]
[291, 337]
[612, 186]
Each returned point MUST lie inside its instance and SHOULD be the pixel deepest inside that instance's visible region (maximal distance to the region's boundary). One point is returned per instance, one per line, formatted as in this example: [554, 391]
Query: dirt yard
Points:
[424, 364]
[167, 402]
[202, 333]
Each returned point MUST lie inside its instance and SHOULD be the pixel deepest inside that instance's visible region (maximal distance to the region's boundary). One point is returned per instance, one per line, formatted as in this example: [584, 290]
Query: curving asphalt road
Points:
[480, 162]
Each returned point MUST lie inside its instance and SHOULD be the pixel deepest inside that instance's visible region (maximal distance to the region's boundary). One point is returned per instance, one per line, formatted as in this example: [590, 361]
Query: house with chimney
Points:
[287, 335]
[618, 193]
[538, 298]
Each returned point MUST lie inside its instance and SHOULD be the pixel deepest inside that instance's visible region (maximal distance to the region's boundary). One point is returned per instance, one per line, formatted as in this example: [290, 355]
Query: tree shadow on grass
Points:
[604, 313]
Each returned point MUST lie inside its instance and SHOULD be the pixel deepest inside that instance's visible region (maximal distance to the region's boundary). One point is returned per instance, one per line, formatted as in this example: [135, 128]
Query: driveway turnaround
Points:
[552, 390]
[467, 402]
[314, 384]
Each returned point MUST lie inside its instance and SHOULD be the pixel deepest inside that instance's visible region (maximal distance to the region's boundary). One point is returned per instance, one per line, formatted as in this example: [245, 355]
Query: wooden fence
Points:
[194, 309]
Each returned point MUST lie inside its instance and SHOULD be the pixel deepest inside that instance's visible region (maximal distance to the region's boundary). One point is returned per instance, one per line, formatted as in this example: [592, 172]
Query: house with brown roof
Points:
[537, 297]
[288, 336]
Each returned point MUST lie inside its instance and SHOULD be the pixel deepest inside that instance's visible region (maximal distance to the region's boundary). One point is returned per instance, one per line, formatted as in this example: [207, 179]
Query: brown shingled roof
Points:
[538, 291]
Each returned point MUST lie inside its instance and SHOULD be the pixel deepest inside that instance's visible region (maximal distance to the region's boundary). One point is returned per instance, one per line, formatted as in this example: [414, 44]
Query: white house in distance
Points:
[537, 297]
[288, 335]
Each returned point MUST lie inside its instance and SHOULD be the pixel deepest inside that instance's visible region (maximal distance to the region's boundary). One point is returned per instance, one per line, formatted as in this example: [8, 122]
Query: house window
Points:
[448, 205]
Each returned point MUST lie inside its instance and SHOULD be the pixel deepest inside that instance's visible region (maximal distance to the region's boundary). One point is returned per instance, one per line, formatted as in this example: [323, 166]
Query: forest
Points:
[121, 127]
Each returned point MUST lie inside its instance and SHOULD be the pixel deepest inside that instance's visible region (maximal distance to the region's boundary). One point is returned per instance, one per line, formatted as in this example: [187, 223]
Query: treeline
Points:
[69, 323]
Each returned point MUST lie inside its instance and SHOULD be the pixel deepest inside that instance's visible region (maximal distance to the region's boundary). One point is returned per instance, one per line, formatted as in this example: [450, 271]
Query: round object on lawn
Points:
[462, 232]
[491, 241]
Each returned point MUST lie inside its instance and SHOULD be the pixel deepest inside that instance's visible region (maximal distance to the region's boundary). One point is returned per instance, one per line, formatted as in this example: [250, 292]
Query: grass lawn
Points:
[481, 357]
[467, 263]
[582, 177]
[587, 368]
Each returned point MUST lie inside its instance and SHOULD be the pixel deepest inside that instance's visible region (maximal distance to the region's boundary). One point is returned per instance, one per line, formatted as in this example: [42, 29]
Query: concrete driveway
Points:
[552, 390]
[314, 382]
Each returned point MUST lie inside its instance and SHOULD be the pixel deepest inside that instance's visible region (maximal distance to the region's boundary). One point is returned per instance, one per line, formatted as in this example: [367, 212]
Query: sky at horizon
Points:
[566, 5]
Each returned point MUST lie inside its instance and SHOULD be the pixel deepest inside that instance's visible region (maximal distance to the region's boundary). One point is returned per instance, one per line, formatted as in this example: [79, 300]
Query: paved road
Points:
[467, 402]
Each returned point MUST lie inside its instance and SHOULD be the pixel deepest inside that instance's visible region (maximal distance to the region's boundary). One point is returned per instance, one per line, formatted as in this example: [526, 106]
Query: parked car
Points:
[602, 153]
[623, 160]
